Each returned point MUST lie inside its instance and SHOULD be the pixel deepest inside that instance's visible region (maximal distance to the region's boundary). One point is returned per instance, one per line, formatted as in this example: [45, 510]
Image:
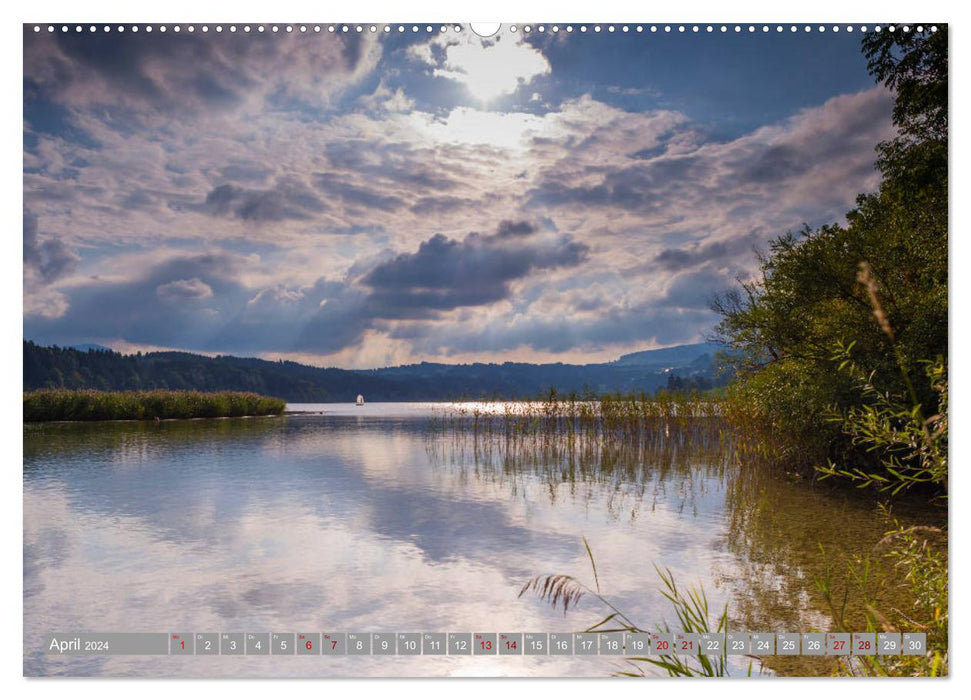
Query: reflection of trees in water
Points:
[672, 462]
[785, 534]
[140, 437]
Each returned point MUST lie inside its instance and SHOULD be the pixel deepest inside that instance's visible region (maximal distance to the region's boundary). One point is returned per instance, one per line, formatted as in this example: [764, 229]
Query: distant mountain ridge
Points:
[684, 366]
[674, 356]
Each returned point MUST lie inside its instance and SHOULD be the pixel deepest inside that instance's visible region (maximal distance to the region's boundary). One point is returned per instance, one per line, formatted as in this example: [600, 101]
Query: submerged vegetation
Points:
[66, 405]
[920, 553]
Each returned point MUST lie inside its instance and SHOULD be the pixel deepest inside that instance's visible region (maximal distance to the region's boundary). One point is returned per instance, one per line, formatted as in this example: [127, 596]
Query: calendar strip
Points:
[486, 644]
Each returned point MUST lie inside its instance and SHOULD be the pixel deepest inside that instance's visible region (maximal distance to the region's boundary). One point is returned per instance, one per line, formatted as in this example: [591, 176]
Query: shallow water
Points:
[351, 519]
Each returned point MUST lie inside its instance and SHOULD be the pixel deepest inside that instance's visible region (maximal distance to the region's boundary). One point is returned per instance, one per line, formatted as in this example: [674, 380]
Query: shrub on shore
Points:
[83, 405]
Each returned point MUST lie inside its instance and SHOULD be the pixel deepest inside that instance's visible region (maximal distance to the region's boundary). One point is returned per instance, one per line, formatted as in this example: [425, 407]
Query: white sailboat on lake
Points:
[360, 400]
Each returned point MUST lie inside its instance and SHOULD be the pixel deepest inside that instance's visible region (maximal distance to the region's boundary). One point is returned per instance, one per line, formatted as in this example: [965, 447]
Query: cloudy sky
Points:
[360, 200]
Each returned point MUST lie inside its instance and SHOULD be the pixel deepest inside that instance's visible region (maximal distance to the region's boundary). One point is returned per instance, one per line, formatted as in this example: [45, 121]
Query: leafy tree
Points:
[787, 325]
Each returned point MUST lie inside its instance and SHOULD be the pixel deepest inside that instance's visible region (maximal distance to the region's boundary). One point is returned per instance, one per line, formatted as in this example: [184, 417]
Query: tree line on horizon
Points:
[56, 367]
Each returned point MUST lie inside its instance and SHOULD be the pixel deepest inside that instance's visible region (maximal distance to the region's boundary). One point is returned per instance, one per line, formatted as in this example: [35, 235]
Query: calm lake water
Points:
[363, 520]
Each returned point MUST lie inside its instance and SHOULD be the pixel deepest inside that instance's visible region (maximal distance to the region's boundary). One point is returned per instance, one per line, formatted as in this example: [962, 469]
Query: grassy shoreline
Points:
[48, 405]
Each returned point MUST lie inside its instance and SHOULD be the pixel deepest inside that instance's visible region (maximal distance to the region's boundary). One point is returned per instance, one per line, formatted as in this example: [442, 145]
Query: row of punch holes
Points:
[526, 29]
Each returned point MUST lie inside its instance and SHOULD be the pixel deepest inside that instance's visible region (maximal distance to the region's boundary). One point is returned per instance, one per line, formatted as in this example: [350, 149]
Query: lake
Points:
[363, 519]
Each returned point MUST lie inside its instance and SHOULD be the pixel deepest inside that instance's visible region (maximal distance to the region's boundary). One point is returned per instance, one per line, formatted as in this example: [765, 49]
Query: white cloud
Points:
[488, 68]
[329, 196]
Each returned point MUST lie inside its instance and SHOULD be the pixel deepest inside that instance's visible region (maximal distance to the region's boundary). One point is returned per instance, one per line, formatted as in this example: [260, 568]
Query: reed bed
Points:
[90, 405]
[623, 442]
[617, 425]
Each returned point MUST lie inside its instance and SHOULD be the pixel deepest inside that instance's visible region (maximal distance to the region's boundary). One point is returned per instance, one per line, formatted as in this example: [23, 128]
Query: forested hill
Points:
[56, 367]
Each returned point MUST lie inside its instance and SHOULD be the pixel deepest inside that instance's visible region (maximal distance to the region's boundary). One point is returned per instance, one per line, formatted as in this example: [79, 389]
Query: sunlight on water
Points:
[364, 519]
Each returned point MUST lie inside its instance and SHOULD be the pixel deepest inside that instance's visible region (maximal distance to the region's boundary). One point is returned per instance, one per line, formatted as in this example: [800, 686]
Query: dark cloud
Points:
[693, 290]
[49, 258]
[152, 307]
[445, 273]
[675, 259]
[443, 205]
[513, 229]
[644, 187]
[138, 199]
[334, 185]
[407, 166]
[183, 75]
[339, 323]
[249, 172]
[288, 199]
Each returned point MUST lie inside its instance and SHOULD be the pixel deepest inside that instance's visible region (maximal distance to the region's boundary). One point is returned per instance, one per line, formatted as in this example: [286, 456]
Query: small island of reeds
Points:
[89, 405]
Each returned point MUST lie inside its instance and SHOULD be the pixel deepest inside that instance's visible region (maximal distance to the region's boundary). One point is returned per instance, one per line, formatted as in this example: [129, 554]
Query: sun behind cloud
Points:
[488, 68]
